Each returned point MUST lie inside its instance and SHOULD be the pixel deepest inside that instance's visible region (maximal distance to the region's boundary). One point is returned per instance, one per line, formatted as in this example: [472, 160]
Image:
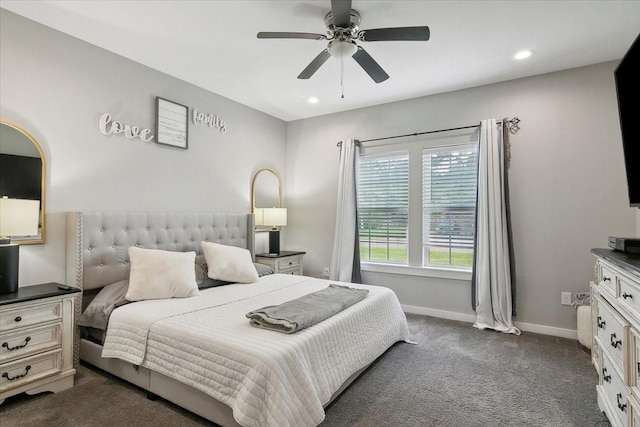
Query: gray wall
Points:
[56, 87]
[567, 178]
[568, 189]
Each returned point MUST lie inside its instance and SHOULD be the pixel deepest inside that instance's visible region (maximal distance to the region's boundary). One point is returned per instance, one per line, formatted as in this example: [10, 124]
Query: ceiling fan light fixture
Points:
[342, 48]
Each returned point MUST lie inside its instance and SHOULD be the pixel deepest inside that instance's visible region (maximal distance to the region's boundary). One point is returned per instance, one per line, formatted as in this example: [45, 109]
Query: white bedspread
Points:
[267, 378]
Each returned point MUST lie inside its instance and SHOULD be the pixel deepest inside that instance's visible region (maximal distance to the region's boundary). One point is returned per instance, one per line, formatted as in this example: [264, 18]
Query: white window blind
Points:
[449, 184]
[383, 207]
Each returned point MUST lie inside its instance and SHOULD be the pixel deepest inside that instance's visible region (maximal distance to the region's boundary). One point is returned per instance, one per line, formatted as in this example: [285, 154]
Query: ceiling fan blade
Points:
[391, 34]
[341, 10]
[314, 65]
[283, 35]
[369, 65]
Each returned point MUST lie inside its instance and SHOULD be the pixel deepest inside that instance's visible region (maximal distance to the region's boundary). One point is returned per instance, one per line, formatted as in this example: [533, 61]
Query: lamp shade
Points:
[258, 214]
[19, 217]
[274, 217]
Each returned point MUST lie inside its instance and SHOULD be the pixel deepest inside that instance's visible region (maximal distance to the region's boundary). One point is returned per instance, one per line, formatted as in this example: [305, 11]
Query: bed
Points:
[200, 352]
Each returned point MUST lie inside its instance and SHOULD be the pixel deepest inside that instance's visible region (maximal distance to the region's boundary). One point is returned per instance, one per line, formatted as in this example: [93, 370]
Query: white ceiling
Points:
[213, 44]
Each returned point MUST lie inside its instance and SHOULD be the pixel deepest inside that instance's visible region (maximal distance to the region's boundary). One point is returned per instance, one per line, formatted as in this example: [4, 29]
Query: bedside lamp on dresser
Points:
[18, 217]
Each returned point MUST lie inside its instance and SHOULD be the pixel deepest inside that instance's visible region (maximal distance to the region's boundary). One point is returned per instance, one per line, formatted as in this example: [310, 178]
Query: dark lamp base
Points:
[274, 241]
[9, 261]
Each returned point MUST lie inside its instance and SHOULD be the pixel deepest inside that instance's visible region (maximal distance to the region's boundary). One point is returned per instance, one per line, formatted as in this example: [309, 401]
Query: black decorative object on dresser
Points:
[284, 262]
[36, 336]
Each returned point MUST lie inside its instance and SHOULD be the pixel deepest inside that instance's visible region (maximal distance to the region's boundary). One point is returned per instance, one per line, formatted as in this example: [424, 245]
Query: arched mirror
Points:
[265, 192]
[23, 167]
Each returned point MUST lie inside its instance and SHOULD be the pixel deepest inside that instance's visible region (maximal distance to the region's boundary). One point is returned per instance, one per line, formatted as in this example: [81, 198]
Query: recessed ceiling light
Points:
[524, 54]
[313, 100]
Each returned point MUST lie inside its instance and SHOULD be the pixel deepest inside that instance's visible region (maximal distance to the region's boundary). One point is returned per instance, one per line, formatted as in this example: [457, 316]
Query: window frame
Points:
[415, 146]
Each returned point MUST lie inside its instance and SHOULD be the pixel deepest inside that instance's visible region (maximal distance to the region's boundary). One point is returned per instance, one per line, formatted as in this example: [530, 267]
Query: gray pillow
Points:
[263, 270]
[201, 269]
[97, 313]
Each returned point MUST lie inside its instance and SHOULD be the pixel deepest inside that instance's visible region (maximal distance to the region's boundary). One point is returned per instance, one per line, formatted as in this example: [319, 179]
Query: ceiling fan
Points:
[342, 32]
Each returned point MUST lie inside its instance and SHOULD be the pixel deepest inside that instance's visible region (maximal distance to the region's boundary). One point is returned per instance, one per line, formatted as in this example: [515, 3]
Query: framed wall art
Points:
[172, 123]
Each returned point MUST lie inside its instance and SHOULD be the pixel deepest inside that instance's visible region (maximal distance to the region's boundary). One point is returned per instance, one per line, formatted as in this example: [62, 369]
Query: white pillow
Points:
[229, 263]
[157, 274]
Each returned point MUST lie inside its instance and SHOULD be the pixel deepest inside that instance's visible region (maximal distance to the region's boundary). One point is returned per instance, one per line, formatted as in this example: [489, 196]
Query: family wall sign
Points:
[171, 124]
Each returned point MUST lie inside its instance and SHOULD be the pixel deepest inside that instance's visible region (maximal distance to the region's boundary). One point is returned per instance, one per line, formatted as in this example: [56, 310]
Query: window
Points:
[448, 201]
[416, 202]
[383, 207]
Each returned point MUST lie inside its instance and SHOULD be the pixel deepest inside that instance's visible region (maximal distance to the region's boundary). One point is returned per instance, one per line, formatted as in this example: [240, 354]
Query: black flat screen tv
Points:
[627, 77]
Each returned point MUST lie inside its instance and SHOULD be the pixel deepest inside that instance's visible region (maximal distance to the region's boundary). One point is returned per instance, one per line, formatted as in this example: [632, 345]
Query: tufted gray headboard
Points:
[98, 242]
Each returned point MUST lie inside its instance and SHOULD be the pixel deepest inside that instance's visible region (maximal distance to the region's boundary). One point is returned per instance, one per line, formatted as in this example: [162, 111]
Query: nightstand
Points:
[36, 336]
[285, 262]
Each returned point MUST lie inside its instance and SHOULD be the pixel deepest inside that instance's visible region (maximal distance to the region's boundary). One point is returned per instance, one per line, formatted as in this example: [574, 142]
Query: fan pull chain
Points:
[341, 71]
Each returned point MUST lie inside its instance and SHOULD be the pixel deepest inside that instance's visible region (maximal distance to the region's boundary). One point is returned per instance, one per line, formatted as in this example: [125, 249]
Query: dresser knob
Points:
[605, 377]
[17, 319]
[605, 279]
[601, 323]
[615, 343]
[626, 295]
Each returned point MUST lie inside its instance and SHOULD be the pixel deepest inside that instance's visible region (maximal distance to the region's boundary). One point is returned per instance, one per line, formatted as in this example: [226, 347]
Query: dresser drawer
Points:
[634, 412]
[634, 363]
[613, 332]
[27, 314]
[629, 296]
[607, 279]
[23, 343]
[14, 374]
[614, 391]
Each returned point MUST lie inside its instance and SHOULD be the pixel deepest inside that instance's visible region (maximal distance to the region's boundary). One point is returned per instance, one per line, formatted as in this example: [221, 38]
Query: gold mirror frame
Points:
[37, 239]
[265, 171]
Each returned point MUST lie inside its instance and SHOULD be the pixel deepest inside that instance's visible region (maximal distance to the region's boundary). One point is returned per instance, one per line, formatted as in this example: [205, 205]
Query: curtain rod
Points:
[513, 128]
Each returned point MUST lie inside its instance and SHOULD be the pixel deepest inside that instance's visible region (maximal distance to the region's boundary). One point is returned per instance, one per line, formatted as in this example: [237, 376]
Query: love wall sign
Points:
[109, 126]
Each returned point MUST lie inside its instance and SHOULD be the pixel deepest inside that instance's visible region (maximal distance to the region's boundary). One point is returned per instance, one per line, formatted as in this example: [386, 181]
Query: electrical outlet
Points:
[565, 298]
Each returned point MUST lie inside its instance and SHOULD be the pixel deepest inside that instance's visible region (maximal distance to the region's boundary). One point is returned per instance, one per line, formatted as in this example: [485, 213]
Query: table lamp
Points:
[274, 217]
[18, 217]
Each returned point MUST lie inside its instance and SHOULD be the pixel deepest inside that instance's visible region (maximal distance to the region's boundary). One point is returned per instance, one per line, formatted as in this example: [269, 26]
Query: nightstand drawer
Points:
[289, 263]
[27, 342]
[14, 374]
[21, 316]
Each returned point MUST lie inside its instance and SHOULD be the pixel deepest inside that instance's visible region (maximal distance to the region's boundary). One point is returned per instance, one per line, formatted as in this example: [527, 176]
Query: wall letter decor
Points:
[210, 119]
[107, 127]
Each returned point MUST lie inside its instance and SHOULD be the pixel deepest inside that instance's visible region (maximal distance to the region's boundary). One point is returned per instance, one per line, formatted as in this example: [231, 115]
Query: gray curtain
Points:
[493, 277]
[345, 257]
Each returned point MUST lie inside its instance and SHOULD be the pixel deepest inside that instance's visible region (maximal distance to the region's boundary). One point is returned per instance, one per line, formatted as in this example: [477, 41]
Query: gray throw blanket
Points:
[300, 313]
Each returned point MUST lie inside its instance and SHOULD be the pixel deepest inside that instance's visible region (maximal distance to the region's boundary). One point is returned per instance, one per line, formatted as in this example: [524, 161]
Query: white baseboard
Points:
[442, 314]
[547, 330]
[471, 318]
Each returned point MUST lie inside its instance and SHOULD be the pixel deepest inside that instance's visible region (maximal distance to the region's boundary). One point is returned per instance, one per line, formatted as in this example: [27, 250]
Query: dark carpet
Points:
[455, 376]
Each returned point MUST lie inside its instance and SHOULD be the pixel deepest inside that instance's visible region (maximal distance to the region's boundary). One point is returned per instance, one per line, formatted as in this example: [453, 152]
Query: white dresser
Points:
[36, 340]
[615, 314]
